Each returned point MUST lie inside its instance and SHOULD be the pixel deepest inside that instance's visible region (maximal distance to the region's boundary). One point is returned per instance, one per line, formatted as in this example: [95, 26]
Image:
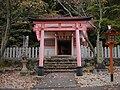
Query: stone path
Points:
[57, 81]
[66, 81]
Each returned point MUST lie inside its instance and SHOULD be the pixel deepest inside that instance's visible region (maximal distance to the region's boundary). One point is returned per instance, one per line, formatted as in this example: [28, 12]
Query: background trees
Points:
[14, 17]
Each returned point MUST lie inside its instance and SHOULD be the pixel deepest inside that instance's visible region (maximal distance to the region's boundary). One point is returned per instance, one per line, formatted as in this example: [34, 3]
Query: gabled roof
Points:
[112, 31]
[62, 19]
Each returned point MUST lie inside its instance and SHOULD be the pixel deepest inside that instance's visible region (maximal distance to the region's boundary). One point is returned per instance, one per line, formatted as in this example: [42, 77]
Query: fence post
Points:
[115, 52]
[29, 52]
[32, 52]
[108, 50]
[105, 52]
[7, 52]
[10, 52]
[36, 52]
[13, 52]
[118, 47]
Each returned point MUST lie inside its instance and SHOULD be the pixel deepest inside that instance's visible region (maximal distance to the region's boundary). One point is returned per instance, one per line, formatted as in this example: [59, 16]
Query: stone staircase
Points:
[60, 63]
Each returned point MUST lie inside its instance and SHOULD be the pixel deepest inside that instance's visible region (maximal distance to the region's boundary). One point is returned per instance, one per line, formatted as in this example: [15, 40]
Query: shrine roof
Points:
[113, 31]
[62, 19]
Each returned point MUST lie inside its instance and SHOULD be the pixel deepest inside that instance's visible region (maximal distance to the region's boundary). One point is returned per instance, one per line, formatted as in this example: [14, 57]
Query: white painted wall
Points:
[49, 34]
[49, 52]
[75, 52]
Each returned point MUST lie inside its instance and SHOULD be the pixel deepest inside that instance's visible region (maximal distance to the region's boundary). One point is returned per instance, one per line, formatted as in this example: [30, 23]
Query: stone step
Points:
[59, 70]
[63, 56]
[59, 60]
[60, 65]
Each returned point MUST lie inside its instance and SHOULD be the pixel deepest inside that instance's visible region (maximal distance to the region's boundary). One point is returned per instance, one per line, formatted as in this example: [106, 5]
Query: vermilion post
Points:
[55, 44]
[79, 67]
[41, 54]
[111, 61]
[78, 48]
[72, 46]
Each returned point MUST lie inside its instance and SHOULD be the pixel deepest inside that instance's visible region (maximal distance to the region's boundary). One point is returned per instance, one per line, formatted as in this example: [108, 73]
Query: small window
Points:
[112, 38]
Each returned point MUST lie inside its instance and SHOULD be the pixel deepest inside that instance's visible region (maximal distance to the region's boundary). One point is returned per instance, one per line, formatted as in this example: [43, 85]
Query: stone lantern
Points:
[24, 70]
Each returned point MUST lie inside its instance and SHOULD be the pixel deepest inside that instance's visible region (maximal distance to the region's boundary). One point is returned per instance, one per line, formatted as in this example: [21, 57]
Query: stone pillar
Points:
[25, 45]
[72, 46]
[41, 55]
[78, 49]
[24, 61]
[55, 44]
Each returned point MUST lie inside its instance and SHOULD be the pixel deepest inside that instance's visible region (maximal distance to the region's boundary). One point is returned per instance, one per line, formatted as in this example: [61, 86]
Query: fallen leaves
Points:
[14, 80]
[99, 79]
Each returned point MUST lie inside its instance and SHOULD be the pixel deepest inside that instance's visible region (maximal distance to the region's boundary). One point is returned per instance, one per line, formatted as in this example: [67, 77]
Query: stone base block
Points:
[24, 72]
[79, 71]
[40, 71]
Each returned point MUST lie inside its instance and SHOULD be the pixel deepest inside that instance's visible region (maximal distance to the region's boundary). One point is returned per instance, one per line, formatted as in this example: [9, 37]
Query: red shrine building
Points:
[61, 36]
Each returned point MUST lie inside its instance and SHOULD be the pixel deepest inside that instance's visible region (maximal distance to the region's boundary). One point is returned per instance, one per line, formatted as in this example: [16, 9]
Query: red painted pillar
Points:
[41, 55]
[111, 61]
[55, 44]
[37, 30]
[78, 48]
[38, 35]
[72, 46]
[79, 67]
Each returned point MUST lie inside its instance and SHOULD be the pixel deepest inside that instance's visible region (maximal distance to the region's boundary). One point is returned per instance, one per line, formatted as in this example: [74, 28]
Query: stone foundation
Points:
[33, 63]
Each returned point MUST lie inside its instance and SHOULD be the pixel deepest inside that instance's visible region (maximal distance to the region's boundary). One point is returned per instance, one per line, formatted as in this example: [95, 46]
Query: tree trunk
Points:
[98, 30]
[100, 64]
[6, 34]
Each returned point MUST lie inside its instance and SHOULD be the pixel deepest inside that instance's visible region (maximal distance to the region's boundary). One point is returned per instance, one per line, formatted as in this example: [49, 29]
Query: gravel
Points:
[99, 79]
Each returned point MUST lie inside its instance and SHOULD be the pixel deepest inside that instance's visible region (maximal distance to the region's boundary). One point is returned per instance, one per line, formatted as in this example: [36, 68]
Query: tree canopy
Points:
[22, 9]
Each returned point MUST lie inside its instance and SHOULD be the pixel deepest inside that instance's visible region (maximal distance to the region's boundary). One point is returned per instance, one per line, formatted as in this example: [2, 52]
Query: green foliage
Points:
[110, 15]
[112, 12]
[22, 9]
[118, 39]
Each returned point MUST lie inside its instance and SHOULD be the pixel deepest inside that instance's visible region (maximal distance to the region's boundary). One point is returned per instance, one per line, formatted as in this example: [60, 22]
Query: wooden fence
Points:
[33, 52]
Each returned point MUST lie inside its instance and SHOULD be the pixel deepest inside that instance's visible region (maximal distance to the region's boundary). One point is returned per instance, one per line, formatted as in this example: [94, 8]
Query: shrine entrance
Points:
[76, 25]
[64, 47]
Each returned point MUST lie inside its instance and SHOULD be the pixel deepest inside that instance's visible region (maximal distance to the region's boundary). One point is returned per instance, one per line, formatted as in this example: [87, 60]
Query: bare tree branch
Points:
[100, 8]
[91, 24]
[83, 10]
[73, 8]
[7, 31]
[64, 7]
